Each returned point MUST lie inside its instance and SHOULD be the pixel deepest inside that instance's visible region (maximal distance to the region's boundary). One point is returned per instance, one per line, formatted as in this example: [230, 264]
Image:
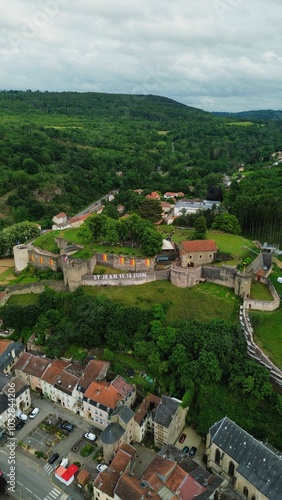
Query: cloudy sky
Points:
[217, 55]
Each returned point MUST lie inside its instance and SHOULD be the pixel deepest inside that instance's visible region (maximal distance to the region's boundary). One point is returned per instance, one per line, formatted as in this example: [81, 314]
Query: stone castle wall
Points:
[224, 275]
[125, 263]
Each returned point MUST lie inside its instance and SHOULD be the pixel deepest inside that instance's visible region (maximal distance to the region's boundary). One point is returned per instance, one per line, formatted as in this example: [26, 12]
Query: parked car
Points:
[66, 426]
[1, 473]
[53, 458]
[19, 425]
[192, 451]
[22, 416]
[186, 449]
[90, 436]
[101, 467]
[34, 412]
[182, 438]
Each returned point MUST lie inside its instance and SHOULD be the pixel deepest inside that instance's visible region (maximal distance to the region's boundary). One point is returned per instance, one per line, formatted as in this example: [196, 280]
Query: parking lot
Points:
[45, 434]
[192, 439]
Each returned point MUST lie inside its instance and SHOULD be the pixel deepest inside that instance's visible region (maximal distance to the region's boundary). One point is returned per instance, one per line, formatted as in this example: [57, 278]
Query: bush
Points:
[86, 450]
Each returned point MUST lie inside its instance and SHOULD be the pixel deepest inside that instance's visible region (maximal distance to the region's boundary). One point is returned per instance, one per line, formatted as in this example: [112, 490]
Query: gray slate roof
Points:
[112, 433]
[124, 412]
[6, 356]
[259, 465]
[166, 410]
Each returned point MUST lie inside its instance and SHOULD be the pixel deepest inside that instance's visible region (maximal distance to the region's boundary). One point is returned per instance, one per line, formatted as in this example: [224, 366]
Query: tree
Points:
[228, 223]
[150, 210]
[152, 242]
[200, 228]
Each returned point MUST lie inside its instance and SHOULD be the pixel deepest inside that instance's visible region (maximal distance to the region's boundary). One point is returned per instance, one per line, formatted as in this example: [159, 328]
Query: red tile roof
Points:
[103, 393]
[95, 370]
[22, 361]
[131, 487]
[60, 215]
[120, 384]
[153, 196]
[106, 481]
[53, 371]
[123, 457]
[198, 246]
[4, 343]
[35, 365]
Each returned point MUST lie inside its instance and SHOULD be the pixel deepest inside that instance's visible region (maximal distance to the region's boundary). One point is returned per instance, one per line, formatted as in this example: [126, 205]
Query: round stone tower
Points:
[242, 284]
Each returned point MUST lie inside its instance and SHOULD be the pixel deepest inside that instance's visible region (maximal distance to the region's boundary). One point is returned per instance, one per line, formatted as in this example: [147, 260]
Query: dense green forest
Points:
[205, 363]
[62, 151]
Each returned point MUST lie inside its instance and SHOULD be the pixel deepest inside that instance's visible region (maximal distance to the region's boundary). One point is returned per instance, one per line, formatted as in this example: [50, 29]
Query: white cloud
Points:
[212, 54]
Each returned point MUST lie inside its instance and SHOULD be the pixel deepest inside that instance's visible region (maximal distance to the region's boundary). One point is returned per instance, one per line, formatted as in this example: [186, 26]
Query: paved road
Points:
[31, 481]
[94, 206]
[34, 478]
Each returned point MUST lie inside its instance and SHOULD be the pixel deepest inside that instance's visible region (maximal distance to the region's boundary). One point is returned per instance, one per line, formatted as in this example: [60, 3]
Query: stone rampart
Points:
[42, 259]
[264, 305]
[221, 275]
[119, 279]
[254, 351]
[75, 269]
[184, 278]
[58, 286]
[126, 263]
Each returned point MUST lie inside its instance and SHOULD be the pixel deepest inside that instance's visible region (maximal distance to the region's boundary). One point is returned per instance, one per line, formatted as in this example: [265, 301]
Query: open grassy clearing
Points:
[203, 302]
[23, 300]
[268, 333]
[259, 291]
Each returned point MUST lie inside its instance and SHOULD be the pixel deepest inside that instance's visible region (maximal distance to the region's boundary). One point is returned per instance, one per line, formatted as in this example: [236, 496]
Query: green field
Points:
[203, 302]
[268, 333]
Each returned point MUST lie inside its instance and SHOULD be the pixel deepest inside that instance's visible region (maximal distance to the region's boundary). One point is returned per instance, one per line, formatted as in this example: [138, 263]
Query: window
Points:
[217, 456]
[245, 491]
[231, 469]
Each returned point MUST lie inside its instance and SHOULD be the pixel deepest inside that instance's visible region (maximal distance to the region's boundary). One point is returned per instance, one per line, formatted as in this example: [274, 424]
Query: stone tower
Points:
[242, 284]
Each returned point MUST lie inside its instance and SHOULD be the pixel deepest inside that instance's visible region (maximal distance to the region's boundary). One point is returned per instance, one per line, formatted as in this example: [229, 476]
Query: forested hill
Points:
[256, 115]
[98, 105]
[60, 151]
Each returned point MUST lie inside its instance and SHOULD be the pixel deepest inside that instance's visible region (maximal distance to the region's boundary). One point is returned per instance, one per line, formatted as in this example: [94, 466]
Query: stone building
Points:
[169, 421]
[196, 252]
[254, 470]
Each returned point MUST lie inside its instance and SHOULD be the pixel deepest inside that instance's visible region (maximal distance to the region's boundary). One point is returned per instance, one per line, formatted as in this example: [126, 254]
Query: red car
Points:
[182, 438]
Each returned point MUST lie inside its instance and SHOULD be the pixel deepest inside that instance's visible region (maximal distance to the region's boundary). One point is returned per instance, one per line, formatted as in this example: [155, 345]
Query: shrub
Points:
[86, 450]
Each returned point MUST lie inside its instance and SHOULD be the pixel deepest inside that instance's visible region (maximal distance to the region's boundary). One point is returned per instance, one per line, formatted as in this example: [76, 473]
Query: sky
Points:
[216, 55]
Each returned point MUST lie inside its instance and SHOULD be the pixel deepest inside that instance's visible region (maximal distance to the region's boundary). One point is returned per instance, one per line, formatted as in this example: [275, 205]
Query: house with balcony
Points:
[102, 398]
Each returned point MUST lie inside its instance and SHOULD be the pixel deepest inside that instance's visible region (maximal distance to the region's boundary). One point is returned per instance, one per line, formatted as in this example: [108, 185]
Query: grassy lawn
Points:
[259, 291]
[25, 299]
[268, 333]
[203, 302]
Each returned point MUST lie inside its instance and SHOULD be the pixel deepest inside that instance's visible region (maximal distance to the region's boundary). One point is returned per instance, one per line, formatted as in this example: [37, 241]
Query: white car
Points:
[22, 416]
[34, 412]
[101, 467]
[90, 436]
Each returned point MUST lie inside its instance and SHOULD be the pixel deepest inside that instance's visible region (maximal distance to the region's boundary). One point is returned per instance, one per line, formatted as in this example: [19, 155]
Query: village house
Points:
[105, 483]
[170, 475]
[153, 196]
[145, 415]
[170, 194]
[10, 352]
[21, 401]
[60, 218]
[169, 421]
[119, 430]
[102, 398]
[254, 470]
[196, 252]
